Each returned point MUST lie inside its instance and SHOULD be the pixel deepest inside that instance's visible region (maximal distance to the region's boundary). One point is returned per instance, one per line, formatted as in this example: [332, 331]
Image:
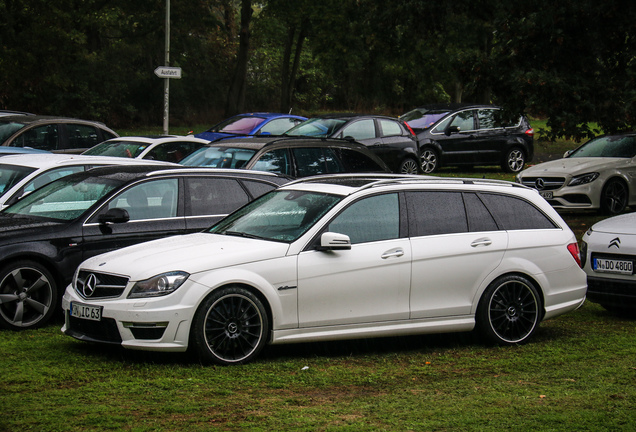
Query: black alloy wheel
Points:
[509, 312]
[614, 197]
[230, 327]
[28, 295]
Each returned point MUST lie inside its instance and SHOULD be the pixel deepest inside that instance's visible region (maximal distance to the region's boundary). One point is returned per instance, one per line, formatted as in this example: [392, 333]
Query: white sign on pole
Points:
[168, 72]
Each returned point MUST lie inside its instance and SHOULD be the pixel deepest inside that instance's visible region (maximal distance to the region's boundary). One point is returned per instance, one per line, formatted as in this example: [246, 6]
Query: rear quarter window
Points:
[513, 213]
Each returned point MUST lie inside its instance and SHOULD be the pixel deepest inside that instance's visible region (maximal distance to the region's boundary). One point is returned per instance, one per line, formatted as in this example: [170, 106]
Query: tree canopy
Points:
[571, 61]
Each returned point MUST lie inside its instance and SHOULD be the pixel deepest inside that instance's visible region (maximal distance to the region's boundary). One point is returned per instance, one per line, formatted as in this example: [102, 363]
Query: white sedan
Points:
[597, 175]
[337, 257]
[171, 148]
[609, 249]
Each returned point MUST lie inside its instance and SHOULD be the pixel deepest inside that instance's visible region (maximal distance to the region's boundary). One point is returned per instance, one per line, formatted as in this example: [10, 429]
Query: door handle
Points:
[481, 242]
[396, 253]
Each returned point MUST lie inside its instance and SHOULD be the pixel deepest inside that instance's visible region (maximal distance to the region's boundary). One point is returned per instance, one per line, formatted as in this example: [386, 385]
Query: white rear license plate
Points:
[606, 265]
[546, 194]
[87, 312]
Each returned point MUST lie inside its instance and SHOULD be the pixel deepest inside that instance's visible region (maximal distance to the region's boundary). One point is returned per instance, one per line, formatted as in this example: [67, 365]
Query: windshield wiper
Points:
[244, 234]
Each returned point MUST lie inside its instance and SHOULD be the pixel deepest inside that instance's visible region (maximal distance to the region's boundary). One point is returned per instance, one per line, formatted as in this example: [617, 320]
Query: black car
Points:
[48, 233]
[460, 135]
[293, 157]
[389, 138]
[55, 134]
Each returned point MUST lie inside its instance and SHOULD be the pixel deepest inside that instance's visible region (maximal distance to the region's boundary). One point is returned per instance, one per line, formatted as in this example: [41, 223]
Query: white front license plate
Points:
[546, 195]
[606, 265]
[83, 311]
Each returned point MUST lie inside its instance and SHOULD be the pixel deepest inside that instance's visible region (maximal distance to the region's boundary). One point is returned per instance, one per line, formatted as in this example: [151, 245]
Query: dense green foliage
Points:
[571, 62]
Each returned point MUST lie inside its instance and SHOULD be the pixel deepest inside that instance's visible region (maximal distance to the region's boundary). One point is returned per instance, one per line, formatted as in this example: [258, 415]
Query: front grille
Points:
[99, 285]
[543, 183]
[613, 292]
[94, 331]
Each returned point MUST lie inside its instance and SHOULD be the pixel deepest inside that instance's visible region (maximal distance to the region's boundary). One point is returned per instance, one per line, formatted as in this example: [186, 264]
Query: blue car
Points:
[252, 124]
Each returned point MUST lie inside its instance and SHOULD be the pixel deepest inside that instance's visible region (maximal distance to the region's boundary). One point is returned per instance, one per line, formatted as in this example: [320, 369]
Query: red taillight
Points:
[575, 252]
[409, 128]
[530, 132]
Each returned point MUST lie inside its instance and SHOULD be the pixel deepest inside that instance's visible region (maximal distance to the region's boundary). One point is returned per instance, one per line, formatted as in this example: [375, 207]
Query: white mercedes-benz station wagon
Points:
[337, 257]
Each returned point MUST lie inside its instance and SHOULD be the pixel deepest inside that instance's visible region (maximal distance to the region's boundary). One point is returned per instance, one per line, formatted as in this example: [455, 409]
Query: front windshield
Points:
[238, 125]
[8, 128]
[219, 157]
[607, 146]
[283, 215]
[423, 118]
[64, 199]
[316, 127]
[10, 175]
[129, 149]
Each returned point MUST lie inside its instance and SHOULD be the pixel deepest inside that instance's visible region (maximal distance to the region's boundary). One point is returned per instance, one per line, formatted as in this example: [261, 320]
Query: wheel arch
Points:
[43, 260]
[525, 275]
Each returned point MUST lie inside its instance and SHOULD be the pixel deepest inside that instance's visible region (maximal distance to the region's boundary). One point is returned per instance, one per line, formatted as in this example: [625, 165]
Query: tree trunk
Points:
[236, 94]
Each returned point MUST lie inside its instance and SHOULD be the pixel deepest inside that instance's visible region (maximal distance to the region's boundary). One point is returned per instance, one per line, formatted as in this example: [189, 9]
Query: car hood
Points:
[18, 230]
[573, 166]
[623, 224]
[192, 253]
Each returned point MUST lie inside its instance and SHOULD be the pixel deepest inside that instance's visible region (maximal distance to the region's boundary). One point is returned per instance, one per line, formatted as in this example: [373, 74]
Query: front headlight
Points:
[583, 178]
[159, 285]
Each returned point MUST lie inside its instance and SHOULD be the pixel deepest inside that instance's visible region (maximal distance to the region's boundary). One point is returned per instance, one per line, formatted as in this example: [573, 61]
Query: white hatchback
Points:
[337, 257]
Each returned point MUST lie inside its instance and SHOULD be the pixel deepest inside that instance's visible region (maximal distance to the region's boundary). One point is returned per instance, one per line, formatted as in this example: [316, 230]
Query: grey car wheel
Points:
[430, 160]
[614, 197]
[409, 166]
[28, 295]
[230, 327]
[509, 312]
[515, 160]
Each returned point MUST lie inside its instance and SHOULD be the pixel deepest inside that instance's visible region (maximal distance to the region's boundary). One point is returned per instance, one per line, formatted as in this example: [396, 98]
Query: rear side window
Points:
[354, 161]
[512, 213]
[257, 188]
[214, 196]
[479, 218]
[390, 128]
[314, 161]
[436, 212]
[82, 136]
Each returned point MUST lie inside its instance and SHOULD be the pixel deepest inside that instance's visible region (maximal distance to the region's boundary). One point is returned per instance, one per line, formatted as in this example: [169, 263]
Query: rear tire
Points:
[409, 166]
[509, 311]
[230, 327]
[515, 160]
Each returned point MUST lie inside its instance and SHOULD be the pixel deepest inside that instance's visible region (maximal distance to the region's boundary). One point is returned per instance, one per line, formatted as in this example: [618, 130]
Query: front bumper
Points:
[619, 293]
[153, 324]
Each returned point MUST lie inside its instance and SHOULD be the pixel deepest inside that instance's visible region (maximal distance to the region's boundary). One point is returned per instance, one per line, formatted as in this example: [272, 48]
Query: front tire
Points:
[429, 160]
[28, 295]
[614, 197]
[515, 160]
[230, 327]
[509, 311]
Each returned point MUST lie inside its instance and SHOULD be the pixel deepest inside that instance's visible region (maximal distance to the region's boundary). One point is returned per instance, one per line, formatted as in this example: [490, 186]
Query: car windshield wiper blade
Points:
[243, 234]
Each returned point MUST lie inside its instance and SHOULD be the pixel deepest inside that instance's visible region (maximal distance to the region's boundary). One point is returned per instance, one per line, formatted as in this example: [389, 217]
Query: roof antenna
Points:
[290, 110]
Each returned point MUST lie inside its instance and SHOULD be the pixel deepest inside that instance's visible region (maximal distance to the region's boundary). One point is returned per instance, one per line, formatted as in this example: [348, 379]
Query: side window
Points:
[274, 161]
[278, 126]
[512, 213]
[173, 151]
[434, 212]
[40, 137]
[81, 136]
[213, 196]
[314, 161]
[49, 176]
[257, 188]
[390, 128]
[370, 219]
[464, 120]
[487, 119]
[149, 200]
[354, 161]
[479, 218]
[441, 127]
[360, 130]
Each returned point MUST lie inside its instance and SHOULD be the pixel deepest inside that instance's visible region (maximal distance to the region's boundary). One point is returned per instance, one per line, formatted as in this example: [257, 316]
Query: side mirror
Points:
[452, 129]
[114, 215]
[567, 153]
[334, 241]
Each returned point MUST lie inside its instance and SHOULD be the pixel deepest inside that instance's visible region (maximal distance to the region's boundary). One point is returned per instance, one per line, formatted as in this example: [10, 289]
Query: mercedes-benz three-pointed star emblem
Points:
[89, 285]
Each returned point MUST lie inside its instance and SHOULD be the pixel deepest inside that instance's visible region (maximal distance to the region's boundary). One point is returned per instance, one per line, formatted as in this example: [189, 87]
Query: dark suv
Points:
[389, 138]
[290, 156]
[48, 233]
[457, 134]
